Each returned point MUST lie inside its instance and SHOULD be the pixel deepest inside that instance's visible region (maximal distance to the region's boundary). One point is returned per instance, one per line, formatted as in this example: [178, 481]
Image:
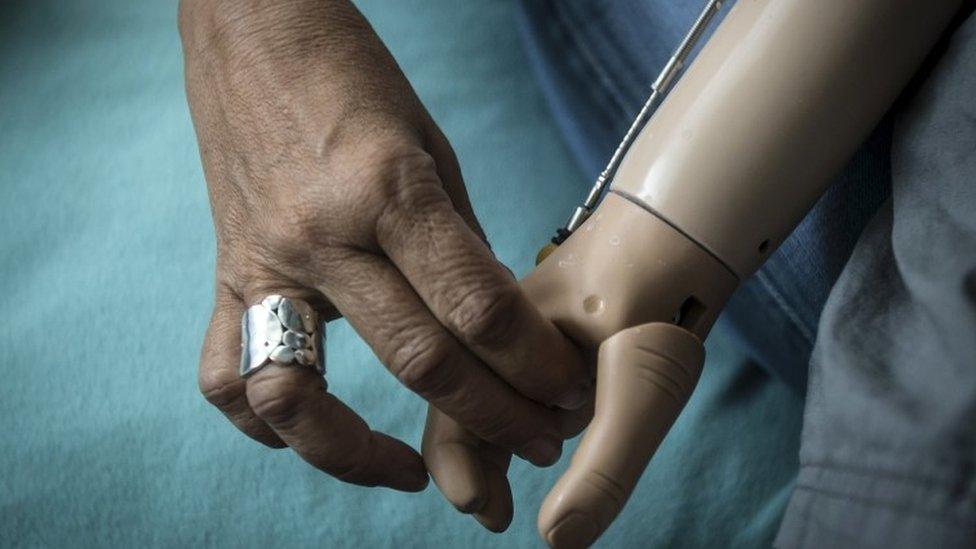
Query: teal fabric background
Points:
[106, 259]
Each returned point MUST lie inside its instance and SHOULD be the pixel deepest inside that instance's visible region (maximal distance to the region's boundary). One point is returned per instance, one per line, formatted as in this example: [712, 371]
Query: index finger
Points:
[476, 297]
[382, 307]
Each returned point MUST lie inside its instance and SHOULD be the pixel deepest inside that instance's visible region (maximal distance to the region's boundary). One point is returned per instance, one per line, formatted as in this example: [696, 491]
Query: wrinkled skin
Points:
[329, 182]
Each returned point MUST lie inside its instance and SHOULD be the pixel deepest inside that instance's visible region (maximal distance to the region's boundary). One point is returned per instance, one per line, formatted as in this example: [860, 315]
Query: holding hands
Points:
[331, 186]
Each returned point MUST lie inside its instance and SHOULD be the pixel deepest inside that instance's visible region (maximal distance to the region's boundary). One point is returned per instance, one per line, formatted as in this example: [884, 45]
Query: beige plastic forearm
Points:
[772, 107]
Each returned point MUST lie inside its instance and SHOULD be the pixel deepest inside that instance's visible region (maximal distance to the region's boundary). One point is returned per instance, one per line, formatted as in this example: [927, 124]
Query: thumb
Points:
[645, 375]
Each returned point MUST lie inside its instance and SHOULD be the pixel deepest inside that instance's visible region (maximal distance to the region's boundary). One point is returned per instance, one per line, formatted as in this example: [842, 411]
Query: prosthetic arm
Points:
[748, 140]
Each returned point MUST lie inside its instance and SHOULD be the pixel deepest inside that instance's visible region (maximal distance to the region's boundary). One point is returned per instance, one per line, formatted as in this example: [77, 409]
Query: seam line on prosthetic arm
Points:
[633, 199]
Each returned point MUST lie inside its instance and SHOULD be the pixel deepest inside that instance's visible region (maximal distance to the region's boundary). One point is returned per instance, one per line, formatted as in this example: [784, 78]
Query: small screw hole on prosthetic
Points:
[593, 304]
[690, 312]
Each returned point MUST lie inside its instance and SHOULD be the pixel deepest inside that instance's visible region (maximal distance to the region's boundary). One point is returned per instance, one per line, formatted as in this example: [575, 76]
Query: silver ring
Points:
[284, 331]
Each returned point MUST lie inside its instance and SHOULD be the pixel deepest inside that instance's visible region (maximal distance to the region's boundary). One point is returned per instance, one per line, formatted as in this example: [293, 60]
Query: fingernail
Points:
[575, 530]
[573, 400]
[542, 451]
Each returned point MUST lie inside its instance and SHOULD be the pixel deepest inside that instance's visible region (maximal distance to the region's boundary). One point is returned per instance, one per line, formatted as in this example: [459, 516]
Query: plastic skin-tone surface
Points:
[773, 106]
[647, 338]
[749, 138]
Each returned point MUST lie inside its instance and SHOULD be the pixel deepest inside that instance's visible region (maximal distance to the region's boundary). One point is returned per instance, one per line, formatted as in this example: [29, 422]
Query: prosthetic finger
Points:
[470, 472]
[496, 513]
[645, 375]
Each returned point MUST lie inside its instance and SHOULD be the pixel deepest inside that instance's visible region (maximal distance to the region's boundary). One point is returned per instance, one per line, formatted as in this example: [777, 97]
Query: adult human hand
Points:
[329, 182]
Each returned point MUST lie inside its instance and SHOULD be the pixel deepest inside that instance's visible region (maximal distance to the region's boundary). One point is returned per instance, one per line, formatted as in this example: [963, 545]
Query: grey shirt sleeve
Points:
[888, 455]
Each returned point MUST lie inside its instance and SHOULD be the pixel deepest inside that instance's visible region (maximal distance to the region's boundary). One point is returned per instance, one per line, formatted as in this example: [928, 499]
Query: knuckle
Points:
[666, 375]
[500, 428]
[256, 428]
[612, 492]
[304, 222]
[221, 388]
[299, 235]
[404, 169]
[275, 397]
[407, 183]
[485, 316]
[423, 365]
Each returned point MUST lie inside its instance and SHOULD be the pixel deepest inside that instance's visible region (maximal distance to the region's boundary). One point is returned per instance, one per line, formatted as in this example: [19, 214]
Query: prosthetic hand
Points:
[748, 140]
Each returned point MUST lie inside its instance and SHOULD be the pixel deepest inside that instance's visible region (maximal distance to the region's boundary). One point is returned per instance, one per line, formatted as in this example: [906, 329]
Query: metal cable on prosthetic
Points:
[659, 89]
